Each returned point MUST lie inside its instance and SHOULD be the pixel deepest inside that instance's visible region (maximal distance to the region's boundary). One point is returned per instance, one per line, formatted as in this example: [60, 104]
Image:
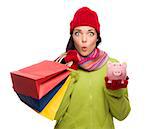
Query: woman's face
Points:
[84, 38]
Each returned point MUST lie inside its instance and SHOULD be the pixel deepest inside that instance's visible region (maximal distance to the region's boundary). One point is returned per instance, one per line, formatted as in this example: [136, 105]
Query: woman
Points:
[89, 102]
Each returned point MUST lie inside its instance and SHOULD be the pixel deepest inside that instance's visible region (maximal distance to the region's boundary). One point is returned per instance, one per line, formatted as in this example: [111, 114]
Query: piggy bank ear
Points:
[109, 63]
[124, 64]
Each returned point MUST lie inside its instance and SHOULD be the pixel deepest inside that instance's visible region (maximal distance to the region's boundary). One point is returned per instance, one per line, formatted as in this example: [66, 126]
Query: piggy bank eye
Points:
[114, 64]
[119, 64]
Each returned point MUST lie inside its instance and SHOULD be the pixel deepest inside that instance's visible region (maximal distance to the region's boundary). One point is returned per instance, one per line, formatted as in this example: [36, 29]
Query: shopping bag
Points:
[52, 107]
[37, 80]
[39, 104]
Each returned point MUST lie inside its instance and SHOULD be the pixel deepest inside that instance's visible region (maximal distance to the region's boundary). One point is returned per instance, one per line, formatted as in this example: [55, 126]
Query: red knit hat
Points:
[85, 17]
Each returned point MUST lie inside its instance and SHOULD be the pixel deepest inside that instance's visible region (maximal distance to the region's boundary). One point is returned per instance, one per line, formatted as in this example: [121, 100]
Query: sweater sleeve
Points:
[67, 97]
[118, 101]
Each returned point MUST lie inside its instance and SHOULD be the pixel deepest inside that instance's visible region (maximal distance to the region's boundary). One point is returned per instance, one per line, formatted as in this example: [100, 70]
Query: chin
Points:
[84, 53]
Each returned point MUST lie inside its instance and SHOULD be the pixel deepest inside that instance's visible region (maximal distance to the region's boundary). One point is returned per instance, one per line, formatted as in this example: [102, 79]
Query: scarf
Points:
[94, 61]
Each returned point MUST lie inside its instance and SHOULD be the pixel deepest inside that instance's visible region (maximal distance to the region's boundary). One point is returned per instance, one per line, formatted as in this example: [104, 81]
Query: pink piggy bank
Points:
[116, 71]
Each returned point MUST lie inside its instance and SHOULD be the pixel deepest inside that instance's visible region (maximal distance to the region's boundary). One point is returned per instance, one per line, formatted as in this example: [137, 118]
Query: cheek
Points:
[92, 42]
[76, 42]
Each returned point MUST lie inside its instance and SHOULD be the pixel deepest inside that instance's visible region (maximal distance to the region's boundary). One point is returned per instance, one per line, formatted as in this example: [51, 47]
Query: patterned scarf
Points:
[94, 61]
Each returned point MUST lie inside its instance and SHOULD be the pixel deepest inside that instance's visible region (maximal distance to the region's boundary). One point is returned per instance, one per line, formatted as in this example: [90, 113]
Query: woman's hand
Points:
[69, 63]
[116, 84]
[71, 59]
[116, 75]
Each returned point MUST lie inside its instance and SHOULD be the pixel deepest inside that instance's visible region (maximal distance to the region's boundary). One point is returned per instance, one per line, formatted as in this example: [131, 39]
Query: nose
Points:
[84, 38]
[117, 73]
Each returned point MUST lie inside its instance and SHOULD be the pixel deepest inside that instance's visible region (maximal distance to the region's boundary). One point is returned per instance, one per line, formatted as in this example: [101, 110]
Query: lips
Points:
[84, 48]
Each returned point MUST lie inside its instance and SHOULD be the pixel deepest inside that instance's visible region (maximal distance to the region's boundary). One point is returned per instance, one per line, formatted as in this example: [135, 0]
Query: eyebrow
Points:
[77, 30]
[91, 30]
[81, 30]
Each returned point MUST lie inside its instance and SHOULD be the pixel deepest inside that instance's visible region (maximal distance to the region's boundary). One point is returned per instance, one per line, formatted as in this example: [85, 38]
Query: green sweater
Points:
[87, 103]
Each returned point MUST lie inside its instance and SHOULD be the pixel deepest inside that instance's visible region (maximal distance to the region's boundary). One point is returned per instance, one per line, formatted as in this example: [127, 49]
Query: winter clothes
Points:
[85, 17]
[95, 60]
[116, 84]
[89, 104]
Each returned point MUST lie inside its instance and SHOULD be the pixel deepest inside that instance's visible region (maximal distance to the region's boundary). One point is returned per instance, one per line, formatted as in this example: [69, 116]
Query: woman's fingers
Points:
[69, 63]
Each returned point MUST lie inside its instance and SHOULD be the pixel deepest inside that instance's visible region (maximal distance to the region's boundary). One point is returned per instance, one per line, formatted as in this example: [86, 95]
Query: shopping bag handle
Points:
[61, 57]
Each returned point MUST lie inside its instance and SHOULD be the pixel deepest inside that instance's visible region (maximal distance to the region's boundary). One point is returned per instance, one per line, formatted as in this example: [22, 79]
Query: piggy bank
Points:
[116, 71]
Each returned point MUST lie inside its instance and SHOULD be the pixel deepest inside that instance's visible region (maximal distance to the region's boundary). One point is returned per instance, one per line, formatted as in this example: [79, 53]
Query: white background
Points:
[33, 30]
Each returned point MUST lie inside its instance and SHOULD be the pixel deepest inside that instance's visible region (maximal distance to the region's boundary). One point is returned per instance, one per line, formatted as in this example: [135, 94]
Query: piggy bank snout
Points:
[117, 73]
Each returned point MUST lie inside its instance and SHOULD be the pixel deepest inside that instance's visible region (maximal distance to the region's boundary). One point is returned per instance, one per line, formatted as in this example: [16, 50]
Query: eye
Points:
[77, 33]
[91, 33]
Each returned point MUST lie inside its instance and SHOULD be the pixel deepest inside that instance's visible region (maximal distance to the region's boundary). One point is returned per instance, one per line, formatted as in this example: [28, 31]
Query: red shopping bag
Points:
[37, 80]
